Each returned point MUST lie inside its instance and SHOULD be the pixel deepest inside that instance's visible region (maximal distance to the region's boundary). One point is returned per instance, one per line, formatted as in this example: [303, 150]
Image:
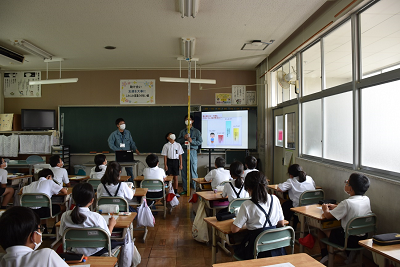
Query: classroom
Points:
[324, 74]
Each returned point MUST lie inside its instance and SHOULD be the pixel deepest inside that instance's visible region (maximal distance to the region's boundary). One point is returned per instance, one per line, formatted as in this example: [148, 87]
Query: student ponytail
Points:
[82, 194]
[236, 171]
[99, 160]
[297, 171]
[256, 183]
[111, 176]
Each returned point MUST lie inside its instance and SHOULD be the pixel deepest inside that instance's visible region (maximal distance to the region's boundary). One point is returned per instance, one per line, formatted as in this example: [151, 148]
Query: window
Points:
[279, 131]
[380, 125]
[290, 133]
[380, 44]
[312, 130]
[312, 69]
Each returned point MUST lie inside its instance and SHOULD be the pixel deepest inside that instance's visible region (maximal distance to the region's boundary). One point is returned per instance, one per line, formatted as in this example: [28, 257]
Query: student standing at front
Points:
[195, 140]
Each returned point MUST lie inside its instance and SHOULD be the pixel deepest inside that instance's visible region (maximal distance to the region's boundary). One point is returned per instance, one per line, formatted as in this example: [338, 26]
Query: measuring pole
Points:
[188, 174]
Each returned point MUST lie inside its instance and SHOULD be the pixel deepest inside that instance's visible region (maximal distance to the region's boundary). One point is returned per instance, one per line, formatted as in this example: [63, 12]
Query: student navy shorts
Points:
[44, 212]
[173, 167]
[337, 236]
[2, 190]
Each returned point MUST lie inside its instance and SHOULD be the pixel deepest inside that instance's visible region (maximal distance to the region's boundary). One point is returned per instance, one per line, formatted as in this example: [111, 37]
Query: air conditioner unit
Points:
[8, 57]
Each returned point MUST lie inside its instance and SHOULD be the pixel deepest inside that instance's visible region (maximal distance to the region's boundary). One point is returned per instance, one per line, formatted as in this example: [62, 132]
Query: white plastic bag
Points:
[199, 228]
[171, 197]
[129, 254]
[145, 217]
[174, 202]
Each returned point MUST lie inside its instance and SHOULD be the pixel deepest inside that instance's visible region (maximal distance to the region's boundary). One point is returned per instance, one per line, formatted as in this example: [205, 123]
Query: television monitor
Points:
[229, 129]
[38, 119]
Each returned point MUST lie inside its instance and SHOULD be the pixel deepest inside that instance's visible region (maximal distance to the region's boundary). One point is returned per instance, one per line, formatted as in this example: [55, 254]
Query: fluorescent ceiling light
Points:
[187, 47]
[54, 81]
[31, 48]
[188, 8]
[186, 80]
[256, 45]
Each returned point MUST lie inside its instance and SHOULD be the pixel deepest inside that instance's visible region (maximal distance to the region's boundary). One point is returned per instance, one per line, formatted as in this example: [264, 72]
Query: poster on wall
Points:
[251, 98]
[6, 121]
[223, 99]
[238, 94]
[137, 92]
[16, 84]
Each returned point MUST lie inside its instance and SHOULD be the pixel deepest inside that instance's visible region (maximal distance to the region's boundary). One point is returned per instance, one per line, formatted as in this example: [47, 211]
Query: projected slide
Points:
[225, 129]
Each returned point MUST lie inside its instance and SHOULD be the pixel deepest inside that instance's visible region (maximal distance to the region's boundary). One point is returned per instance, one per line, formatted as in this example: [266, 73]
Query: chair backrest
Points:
[152, 184]
[236, 203]
[34, 159]
[273, 239]
[311, 197]
[360, 225]
[120, 201]
[40, 166]
[95, 183]
[36, 200]
[86, 238]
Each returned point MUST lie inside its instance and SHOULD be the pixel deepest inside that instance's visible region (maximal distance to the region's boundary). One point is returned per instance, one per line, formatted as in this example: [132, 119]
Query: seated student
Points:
[261, 213]
[218, 175]
[20, 236]
[298, 182]
[356, 205]
[82, 217]
[101, 166]
[6, 192]
[251, 163]
[45, 185]
[111, 186]
[153, 172]
[235, 189]
[60, 174]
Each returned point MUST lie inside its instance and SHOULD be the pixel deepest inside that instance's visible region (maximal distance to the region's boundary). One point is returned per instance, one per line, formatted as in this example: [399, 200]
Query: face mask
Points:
[122, 126]
[187, 122]
[37, 245]
[5, 164]
[346, 191]
[172, 136]
[62, 164]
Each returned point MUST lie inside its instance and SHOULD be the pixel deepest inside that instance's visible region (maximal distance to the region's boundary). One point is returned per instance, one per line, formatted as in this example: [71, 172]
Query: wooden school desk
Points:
[94, 261]
[78, 178]
[208, 196]
[273, 189]
[134, 165]
[298, 260]
[202, 184]
[315, 218]
[19, 180]
[124, 178]
[140, 178]
[391, 252]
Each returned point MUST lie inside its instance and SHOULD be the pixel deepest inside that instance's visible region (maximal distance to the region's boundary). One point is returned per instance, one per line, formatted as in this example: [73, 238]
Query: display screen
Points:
[225, 129]
[38, 119]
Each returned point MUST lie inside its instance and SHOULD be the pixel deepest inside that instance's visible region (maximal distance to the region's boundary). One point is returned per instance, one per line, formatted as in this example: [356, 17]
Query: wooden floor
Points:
[170, 242]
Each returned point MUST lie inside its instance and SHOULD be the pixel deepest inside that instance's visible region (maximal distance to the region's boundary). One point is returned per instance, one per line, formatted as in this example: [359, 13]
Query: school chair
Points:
[236, 203]
[311, 197]
[272, 239]
[156, 185]
[40, 200]
[120, 201]
[93, 237]
[356, 226]
[38, 167]
[95, 183]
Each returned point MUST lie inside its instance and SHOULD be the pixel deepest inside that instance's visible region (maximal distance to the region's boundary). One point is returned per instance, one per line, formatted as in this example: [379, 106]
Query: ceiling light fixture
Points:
[53, 81]
[188, 8]
[256, 45]
[31, 48]
[186, 80]
[187, 47]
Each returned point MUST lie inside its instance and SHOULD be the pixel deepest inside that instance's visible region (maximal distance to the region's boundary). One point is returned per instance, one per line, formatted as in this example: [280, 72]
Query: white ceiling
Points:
[147, 33]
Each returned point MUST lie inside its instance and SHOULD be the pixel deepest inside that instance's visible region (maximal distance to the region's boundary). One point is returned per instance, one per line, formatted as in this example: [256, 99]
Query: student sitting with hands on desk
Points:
[261, 213]
[21, 236]
[121, 139]
[60, 175]
[297, 183]
[82, 217]
[219, 174]
[45, 185]
[235, 189]
[356, 205]
[99, 170]
[111, 186]
[6, 192]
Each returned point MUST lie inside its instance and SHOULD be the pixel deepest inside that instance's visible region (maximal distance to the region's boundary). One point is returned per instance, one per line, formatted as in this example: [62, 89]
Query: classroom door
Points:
[286, 141]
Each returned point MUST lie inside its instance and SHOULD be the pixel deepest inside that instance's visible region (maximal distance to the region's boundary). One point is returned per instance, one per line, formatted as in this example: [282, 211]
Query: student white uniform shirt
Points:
[124, 190]
[254, 218]
[60, 175]
[93, 219]
[27, 257]
[352, 207]
[172, 150]
[44, 186]
[3, 176]
[217, 176]
[247, 171]
[228, 192]
[295, 188]
[155, 173]
[98, 175]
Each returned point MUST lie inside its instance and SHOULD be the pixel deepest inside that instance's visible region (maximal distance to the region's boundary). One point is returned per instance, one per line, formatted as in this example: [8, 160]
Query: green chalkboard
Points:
[88, 128]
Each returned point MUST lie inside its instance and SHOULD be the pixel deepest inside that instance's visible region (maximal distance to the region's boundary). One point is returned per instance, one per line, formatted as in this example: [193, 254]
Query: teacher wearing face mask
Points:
[121, 139]
[195, 140]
